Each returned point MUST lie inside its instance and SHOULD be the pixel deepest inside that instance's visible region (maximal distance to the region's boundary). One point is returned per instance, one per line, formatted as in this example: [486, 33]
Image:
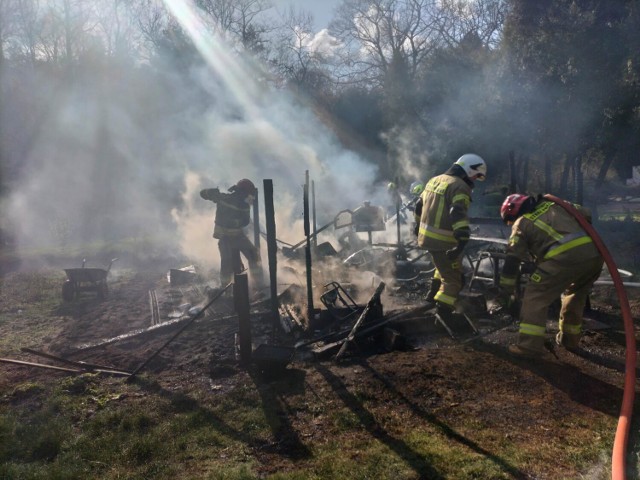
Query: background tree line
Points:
[543, 90]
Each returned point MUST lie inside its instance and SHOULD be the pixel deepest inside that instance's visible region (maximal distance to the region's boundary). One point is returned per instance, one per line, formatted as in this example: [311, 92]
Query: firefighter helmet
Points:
[473, 165]
[416, 188]
[513, 206]
[245, 186]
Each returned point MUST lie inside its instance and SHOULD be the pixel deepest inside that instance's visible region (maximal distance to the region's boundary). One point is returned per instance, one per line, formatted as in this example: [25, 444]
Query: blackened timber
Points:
[313, 211]
[41, 365]
[272, 249]
[307, 235]
[398, 202]
[62, 369]
[79, 364]
[256, 222]
[375, 298]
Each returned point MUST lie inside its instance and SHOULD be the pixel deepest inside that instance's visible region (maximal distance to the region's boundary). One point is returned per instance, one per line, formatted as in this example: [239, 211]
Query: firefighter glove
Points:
[416, 229]
[527, 268]
[505, 300]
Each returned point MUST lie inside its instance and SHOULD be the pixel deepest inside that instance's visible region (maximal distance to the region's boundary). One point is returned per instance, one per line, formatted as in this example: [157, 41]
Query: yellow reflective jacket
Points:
[549, 232]
[444, 219]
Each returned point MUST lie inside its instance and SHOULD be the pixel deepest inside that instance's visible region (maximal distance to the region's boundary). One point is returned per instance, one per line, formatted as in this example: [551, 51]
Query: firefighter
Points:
[232, 215]
[567, 263]
[442, 227]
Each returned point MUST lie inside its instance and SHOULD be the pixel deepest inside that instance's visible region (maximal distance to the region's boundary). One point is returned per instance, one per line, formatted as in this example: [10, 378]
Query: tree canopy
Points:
[408, 85]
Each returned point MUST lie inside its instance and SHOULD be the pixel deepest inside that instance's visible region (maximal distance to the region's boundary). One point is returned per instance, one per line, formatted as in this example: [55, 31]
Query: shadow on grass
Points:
[419, 464]
[286, 441]
[273, 391]
[581, 388]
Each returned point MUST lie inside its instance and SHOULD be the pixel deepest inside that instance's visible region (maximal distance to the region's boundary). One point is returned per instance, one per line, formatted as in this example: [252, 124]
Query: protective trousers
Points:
[230, 261]
[554, 278]
[450, 274]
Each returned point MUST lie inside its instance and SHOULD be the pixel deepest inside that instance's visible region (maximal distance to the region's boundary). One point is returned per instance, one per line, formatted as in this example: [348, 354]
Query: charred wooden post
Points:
[256, 221]
[272, 249]
[307, 235]
[313, 209]
[398, 204]
[375, 298]
[241, 304]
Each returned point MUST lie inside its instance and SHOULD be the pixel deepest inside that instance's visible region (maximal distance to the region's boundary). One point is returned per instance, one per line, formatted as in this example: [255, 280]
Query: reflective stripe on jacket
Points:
[437, 228]
[549, 232]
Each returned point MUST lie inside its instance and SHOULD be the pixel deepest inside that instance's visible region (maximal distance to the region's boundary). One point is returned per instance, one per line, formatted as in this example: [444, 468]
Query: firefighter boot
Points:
[433, 289]
[570, 342]
[528, 346]
[522, 352]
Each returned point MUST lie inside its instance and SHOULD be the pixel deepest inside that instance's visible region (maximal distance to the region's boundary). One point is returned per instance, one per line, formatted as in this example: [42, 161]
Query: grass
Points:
[90, 427]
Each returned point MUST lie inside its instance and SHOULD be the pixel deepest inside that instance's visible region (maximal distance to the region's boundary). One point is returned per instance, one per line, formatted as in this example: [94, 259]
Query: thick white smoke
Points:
[121, 155]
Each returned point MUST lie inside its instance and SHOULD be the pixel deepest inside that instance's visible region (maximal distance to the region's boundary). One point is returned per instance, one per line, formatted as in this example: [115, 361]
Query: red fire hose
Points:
[624, 422]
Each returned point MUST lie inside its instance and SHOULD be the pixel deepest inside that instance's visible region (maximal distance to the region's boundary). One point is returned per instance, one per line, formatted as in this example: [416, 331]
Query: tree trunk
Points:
[548, 183]
[564, 179]
[525, 173]
[578, 182]
[604, 169]
[513, 176]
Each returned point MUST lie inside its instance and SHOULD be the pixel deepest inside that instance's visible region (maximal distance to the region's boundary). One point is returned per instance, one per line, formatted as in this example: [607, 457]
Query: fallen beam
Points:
[374, 298]
[79, 364]
[62, 369]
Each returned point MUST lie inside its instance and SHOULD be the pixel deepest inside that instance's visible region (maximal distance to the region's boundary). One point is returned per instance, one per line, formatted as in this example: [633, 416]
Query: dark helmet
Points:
[515, 205]
[245, 187]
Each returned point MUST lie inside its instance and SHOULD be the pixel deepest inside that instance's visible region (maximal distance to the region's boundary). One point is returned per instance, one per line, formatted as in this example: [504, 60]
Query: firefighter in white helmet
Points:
[232, 215]
[567, 265]
[442, 227]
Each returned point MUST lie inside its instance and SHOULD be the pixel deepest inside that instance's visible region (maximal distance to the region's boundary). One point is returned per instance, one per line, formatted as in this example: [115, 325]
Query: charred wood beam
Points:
[272, 249]
[307, 234]
[62, 369]
[375, 298]
[79, 364]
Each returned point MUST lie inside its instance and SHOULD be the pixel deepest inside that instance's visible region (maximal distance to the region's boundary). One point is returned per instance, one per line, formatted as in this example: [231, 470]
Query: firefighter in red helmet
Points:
[442, 227]
[232, 215]
[567, 263]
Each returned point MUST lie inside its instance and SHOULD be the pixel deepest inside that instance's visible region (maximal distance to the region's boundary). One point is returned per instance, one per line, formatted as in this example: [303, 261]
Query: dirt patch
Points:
[467, 389]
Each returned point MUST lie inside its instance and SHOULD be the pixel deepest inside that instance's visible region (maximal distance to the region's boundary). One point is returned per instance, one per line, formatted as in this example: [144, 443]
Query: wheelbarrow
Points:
[86, 280]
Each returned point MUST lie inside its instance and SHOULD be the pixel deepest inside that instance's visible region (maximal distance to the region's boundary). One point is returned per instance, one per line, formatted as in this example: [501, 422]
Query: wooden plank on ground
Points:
[372, 301]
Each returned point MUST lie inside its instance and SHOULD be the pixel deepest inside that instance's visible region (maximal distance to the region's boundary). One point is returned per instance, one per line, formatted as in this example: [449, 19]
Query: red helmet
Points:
[246, 187]
[512, 206]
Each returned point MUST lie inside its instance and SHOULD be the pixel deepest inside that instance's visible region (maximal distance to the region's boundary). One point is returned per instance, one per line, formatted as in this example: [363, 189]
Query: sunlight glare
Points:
[236, 76]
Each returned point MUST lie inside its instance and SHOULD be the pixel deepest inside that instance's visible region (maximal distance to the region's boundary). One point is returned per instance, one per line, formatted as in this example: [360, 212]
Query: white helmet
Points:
[473, 165]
